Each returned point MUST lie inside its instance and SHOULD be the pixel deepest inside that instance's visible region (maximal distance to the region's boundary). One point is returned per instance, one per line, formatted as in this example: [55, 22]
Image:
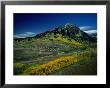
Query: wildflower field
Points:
[51, 55]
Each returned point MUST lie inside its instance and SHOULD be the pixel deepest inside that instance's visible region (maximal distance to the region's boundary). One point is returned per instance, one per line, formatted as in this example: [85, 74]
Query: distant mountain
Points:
[69, 30]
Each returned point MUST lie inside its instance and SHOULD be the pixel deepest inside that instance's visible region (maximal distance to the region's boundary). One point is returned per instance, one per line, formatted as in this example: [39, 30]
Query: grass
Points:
[50, 54]
[21, 67]
[58, 64]
[63, 39]
[32, 43]
[87, 66]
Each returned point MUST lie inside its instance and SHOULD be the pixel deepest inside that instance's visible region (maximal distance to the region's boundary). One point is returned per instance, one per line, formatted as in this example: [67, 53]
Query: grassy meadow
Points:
[54, 55]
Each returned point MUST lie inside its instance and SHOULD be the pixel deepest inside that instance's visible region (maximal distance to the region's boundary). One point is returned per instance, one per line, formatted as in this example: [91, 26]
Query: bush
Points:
[59, 63]
[51, 39]
[20, 68]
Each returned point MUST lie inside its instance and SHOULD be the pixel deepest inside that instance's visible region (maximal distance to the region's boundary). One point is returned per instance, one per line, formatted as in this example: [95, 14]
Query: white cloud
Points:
[88, 29]
[85, 28]
[24, 35]
[91, 31]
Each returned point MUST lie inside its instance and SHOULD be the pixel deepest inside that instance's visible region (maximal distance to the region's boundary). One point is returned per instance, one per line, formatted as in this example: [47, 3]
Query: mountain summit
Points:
[69, 30]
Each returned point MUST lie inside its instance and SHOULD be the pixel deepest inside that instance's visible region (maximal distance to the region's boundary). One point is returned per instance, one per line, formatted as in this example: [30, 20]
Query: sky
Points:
[30, 24]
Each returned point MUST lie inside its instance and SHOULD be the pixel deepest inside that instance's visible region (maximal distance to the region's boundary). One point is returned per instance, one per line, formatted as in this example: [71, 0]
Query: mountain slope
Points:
[55, 49]
[69, 30]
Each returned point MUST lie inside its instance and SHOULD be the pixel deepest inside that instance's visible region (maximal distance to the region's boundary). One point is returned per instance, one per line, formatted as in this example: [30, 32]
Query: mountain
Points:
[69, 30]
[94, 35]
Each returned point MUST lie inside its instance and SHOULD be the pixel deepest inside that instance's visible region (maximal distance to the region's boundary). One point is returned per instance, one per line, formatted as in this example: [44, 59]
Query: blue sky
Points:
[30, 24]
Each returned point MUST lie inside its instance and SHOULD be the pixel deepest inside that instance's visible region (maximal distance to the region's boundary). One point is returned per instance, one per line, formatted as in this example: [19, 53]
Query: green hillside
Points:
[55, 53]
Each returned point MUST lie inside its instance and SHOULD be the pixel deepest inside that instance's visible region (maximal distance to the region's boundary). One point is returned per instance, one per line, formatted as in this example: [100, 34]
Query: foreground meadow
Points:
[54, 56]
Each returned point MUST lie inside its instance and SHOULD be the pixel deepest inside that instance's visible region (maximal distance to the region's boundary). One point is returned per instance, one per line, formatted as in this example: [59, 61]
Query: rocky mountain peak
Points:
[69, 30]
[68, 25]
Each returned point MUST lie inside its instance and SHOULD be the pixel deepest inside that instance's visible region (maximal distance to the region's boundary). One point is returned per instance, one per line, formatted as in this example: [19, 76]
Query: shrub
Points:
[58, 63]
[51, 39]
[19, 68]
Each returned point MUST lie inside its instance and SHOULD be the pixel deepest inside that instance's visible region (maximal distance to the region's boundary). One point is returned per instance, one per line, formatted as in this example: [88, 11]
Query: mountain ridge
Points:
[67, 30]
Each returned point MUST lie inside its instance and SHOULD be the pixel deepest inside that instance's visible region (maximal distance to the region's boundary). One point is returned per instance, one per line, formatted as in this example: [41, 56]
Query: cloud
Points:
[85, 28]
[88, 29]
[24, 35]
[91, 31]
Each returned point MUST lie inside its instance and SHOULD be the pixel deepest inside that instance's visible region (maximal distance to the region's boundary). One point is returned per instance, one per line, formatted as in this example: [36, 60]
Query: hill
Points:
[69, 30]
[57, 49]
